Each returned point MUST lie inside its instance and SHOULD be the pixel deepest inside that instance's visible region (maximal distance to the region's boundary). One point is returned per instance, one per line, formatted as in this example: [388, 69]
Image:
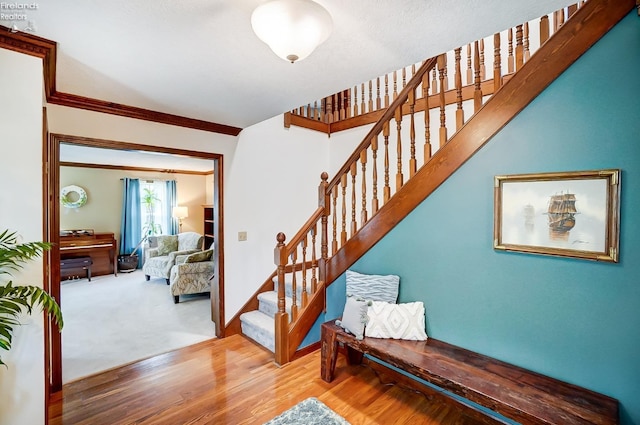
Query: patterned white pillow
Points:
[372, 286]
[397, 321]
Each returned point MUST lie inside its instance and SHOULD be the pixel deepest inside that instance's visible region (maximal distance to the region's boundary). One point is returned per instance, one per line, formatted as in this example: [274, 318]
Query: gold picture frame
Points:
[569, 214]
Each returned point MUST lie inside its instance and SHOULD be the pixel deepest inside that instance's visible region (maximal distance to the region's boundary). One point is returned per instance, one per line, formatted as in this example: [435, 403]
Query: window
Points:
[153, 200]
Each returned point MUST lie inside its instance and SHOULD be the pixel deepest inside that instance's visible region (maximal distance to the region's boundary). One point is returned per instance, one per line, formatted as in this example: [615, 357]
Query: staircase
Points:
[393, 170]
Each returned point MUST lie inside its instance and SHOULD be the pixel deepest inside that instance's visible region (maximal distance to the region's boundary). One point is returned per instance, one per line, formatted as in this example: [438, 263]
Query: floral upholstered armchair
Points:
[159, 260]
[192, 274]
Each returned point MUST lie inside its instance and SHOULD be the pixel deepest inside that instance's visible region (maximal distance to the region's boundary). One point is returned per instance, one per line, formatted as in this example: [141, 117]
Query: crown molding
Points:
[33, 45]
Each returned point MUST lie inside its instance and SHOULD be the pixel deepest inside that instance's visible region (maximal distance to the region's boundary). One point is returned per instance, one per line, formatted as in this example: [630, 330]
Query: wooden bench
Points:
[518, 394]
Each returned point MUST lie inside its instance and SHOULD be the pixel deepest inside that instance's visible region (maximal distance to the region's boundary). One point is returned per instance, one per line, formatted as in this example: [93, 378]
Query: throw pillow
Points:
[200, 256]
[397, 321]
[373, 287]
[167, 244]
[354, 317]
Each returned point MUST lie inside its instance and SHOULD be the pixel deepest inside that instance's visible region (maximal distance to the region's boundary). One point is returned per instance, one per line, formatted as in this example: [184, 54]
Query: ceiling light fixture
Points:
[292, 28]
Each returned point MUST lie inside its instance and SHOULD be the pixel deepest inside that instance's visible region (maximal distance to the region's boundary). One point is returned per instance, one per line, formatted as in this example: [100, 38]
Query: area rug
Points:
[308, 412]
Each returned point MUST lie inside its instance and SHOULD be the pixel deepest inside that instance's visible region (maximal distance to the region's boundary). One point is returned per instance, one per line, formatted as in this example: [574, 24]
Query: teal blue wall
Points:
[575, 320]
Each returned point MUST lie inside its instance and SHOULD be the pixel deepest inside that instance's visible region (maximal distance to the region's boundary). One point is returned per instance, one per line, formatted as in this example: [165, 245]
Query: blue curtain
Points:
[131, 224]
[172, 201]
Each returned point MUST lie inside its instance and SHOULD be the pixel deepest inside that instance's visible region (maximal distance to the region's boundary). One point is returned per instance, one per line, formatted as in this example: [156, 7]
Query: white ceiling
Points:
[200, 58]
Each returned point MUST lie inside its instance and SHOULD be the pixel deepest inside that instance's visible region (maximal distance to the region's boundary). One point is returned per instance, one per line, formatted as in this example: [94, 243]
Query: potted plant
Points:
[18, 299]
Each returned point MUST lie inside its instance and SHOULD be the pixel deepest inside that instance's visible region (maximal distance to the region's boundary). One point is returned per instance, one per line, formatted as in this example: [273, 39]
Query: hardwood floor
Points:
[234, 381]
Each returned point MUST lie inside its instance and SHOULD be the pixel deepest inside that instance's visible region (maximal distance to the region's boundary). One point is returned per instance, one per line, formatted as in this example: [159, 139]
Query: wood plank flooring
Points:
[234, 381]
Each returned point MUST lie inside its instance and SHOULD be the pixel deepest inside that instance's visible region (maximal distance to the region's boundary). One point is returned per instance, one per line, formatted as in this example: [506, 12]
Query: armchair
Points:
[191, 274]
[159, 260]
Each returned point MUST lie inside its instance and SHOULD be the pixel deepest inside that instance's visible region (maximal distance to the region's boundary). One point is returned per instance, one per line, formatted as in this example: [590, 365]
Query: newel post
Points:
[324, 201]
[281, 317]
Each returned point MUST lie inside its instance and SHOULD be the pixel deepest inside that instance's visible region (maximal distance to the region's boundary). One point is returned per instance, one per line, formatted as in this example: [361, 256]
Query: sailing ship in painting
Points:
[561, 212]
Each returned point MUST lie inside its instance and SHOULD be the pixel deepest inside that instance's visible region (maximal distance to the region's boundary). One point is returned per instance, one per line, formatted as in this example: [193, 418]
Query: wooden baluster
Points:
[334, 241]
[316, 113]
[399, 179]
[413, 166]
[483, 72]
[370, 96]
[519, 48]
[445, 72]
[427, 119]
[497, 63]
[294, 295]
[404, 77]
[354, 172]
[362, 104]
[355, 104]
[374, 151]
[281, 318]
[363, 162]
[469, 70]
[544, 29]
[572, 9]
[329, 109]
[336, 107]
[386, 193]
[343, 234]
[459, 110]
[305, 298]
[477, 93]
[343, 101]
[386, 90]
[323, 107]
[558, 20]
[347, 103]
[314, 261]
[442, 64]
[395, 84]
[378, 99]
[510, 61]
[525, 43]
[325, 202]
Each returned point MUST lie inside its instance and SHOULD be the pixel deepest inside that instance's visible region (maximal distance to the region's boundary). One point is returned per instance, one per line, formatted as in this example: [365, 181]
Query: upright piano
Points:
[100, 247]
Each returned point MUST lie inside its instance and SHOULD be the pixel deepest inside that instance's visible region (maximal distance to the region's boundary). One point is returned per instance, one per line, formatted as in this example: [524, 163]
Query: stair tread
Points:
[258, 319]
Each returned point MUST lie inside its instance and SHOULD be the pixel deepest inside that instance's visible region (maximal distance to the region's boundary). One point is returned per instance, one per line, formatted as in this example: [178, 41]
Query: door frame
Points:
[52, 234]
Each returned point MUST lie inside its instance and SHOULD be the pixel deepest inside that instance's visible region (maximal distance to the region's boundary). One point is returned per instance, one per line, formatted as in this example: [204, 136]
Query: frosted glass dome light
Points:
[292, 28]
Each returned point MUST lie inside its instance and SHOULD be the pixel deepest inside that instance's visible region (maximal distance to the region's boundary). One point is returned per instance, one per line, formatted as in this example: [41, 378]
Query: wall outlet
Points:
[242, 236]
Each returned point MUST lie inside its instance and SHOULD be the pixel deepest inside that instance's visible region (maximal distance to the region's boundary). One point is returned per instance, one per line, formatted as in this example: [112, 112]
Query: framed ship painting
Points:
[570, 214]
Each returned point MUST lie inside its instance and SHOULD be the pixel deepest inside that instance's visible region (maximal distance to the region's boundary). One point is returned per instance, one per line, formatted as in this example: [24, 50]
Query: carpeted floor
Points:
[112, 321]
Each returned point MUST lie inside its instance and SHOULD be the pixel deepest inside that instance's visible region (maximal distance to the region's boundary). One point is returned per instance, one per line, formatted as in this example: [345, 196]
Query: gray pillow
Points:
[354, 317]
[373, 287]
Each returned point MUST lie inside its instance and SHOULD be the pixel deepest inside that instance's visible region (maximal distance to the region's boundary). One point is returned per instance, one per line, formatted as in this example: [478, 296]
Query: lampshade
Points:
[292, 28]
[180, 212]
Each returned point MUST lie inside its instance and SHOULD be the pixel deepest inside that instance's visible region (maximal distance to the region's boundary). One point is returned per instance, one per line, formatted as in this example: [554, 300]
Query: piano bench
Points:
[73, 268]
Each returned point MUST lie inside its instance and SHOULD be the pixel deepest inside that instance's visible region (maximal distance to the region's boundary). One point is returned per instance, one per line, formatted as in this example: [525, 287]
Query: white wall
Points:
[272, 187]
[22, 383]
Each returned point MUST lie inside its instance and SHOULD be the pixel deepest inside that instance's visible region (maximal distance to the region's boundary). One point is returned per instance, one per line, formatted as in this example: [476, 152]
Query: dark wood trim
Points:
[33, 45]
[46, 50]
[96, 105]
[52, 160]
[129, 168]
[576, 36]
[306, 350]
[46, 282]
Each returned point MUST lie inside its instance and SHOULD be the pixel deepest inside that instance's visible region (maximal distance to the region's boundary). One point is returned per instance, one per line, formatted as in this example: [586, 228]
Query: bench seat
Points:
[518, 394]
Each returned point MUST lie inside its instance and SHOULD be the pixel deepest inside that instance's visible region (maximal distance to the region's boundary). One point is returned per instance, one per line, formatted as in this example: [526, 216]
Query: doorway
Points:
[52, 225]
